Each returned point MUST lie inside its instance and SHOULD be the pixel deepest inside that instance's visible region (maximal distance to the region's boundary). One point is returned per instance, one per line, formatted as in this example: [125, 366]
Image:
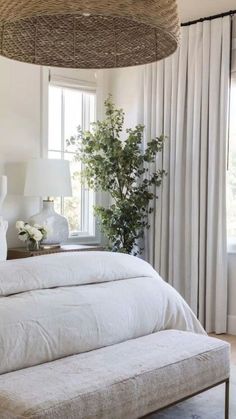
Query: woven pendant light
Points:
[88, 33]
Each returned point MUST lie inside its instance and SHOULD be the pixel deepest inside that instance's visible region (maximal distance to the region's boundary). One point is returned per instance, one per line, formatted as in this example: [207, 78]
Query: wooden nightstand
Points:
[21, 252]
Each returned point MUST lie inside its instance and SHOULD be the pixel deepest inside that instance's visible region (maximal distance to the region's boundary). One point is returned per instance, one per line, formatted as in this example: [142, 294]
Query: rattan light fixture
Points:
[88, 33]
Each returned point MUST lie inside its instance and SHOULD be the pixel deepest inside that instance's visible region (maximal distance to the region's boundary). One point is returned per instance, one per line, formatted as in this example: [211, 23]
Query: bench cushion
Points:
[124, 381]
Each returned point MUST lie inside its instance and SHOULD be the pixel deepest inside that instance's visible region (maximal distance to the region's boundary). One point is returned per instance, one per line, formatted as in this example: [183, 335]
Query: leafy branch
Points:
[122, 169]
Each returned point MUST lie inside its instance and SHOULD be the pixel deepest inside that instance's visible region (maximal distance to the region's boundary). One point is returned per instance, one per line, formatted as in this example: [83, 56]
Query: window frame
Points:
[83, 86]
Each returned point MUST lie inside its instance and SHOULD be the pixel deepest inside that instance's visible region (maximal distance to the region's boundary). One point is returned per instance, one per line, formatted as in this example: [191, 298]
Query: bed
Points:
[68, 320]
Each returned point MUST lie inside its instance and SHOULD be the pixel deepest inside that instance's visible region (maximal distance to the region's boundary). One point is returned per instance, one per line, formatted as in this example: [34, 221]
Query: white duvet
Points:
[62, 304]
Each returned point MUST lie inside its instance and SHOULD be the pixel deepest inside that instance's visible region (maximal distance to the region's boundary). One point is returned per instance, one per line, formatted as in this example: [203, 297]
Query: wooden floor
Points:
[232, 340]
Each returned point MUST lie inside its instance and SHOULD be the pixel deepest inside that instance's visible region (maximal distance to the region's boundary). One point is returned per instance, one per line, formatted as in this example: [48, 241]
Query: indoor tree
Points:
[122, 168]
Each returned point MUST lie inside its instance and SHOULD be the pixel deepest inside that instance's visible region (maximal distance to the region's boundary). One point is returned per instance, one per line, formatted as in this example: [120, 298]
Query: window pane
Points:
[54, 120]
[92, 109]
[58, 205]
[89, 110]
[73, 112]
[231, 175]
[57, 200]
[72, 205]
[71, 212]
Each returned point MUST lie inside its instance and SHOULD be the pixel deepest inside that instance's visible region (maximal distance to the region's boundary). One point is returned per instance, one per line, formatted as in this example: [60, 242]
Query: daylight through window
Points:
[70, 108]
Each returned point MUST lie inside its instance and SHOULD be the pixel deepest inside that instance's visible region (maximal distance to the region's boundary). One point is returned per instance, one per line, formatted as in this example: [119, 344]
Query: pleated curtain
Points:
[186, 97]
[233, 57]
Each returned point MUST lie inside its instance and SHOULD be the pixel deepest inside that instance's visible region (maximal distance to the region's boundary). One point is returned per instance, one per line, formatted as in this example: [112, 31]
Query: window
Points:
[70, 108]
[231, 175]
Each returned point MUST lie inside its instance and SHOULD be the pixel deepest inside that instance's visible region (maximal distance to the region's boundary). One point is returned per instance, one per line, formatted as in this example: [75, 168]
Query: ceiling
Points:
[193, 9]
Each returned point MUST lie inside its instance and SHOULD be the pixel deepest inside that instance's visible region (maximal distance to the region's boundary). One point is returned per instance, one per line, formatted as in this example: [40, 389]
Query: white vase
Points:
[3, 239]
[56, 224]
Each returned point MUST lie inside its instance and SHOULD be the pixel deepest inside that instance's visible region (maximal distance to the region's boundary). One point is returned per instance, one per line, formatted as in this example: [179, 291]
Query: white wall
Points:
[21, 130]
[192, 9]
[19, 133]
[126, 87]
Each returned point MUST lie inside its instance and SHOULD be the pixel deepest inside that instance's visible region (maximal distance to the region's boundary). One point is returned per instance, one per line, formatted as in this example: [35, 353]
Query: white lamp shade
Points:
[48, 178]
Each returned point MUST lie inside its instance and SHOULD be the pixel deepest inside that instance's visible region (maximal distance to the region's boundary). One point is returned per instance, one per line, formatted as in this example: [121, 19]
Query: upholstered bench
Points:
[125, 381]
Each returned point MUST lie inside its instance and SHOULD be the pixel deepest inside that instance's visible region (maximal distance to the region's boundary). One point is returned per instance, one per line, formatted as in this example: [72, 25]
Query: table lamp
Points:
[49, 178]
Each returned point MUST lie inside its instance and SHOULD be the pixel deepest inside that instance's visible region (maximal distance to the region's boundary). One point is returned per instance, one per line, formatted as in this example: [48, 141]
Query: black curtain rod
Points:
[192, 22]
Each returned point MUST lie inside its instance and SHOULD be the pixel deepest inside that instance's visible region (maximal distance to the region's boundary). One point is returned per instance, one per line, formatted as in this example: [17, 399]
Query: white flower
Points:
[43, 230]
[29, 229]
[37, 235]
[23, 237]
[37, 226]
[20, 225]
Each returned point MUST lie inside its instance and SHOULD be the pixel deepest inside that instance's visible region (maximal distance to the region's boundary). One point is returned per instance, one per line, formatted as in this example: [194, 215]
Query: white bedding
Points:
[62, 304]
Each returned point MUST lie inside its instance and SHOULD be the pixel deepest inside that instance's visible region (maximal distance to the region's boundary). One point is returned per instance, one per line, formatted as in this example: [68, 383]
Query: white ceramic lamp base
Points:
[3, 240]
[56, 224]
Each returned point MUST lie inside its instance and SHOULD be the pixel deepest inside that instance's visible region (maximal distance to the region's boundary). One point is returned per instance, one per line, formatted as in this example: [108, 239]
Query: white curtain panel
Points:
[186, 97]
[233, 61]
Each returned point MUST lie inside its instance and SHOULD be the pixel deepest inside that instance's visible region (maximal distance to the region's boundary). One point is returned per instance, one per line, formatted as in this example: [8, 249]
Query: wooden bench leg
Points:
[227, 399]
